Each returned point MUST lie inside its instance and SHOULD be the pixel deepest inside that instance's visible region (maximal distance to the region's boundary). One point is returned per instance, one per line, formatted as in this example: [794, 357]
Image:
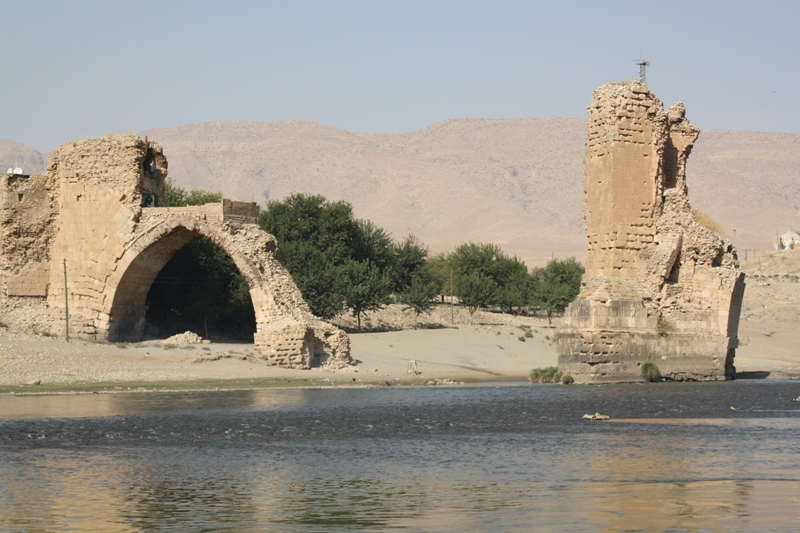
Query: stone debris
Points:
[659, 285]
[444, 382]
[596, 416]
[219, 357]
[98, 218]
[182, 339]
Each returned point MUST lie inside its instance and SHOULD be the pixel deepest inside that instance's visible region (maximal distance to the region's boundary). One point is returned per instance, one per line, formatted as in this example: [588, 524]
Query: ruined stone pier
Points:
[659, 286]
[100, 211]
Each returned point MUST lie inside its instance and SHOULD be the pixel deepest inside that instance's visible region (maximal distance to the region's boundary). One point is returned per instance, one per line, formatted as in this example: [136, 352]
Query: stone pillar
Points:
[658, 286]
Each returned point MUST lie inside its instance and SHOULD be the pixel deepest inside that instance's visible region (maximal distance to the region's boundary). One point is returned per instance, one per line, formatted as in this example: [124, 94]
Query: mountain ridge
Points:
[515, 182]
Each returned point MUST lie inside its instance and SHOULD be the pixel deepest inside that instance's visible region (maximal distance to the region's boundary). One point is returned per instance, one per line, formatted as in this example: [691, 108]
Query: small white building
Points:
[788, 241]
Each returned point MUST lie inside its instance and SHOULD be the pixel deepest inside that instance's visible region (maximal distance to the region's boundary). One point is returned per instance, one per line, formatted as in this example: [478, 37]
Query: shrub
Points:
[663, 327]
[549, 374]
[567, 380]
[521, 338]
[650, 372]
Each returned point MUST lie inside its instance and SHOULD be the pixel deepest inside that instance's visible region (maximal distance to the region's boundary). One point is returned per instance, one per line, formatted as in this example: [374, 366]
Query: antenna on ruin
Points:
[643, 63]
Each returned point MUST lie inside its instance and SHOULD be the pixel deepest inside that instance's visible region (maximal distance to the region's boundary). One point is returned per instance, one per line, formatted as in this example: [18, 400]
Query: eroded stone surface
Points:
[659, 286]
[99, 210]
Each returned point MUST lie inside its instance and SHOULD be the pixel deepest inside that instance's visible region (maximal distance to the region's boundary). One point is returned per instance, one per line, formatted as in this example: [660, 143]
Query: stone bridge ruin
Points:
[98, 214]
[659, 286]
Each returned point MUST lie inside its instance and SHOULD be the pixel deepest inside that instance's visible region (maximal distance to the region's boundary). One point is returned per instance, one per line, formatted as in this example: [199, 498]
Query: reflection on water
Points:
[673, 458]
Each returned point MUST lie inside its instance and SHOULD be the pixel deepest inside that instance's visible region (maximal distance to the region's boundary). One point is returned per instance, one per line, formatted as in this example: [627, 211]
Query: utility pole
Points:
[452, 299]
[66, 304]
[764, 285]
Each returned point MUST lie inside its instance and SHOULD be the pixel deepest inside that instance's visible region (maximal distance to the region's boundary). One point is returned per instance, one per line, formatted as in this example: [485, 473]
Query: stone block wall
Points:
[658, 285]
[623, 160]
[33, 281]
[28, 211]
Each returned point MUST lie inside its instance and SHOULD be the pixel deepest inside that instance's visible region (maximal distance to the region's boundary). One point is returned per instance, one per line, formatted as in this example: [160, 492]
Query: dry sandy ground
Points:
[469, 353]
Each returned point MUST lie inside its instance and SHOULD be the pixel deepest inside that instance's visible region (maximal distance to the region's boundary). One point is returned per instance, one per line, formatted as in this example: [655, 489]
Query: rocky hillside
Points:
[15, 155]
[518, 183]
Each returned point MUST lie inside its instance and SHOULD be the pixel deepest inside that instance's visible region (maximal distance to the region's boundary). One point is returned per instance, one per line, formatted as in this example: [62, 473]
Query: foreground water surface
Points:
[674, 457]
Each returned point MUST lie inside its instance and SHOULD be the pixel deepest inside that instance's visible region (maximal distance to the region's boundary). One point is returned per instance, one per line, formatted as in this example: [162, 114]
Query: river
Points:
[674, 457]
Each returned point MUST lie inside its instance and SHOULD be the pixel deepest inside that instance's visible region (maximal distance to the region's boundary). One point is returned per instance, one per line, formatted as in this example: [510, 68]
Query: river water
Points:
[674, 457]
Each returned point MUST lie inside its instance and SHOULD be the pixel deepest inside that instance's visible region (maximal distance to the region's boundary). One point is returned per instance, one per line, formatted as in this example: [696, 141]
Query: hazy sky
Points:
[77, 69]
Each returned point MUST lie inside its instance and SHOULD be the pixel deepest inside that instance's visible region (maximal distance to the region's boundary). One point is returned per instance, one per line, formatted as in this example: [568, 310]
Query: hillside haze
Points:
[517, 183]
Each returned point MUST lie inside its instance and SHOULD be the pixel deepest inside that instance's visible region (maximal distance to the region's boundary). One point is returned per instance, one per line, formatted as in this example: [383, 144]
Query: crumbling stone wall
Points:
[658, 285]
[99, 212]
[28, 207]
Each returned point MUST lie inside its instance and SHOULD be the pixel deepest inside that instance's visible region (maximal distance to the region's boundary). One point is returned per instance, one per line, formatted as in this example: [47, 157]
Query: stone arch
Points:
[286, 331]
[127, 288]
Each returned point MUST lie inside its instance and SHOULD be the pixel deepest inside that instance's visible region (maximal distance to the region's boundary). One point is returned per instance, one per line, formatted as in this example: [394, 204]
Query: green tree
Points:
[437, 268]
[409, 257]
[320, 281]
[303, 223]
[366, 288]
[476, 290]
[374, 244]
[515, 293]
[470, 258]
[328, 226]
[175, 196]
[419, 294]
[556, 285]
[486, 259]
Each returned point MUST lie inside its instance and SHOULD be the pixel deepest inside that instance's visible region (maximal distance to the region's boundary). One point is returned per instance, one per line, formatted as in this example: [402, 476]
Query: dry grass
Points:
[706, 221]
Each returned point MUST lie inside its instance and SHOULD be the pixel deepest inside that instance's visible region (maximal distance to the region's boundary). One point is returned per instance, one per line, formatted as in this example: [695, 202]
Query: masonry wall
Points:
[100, 195]
[622, 158]
[658, 286]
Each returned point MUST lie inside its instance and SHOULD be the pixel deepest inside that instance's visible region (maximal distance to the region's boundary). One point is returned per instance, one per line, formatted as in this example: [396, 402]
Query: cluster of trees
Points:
[342, 263]
[337, 261]
[481, 275]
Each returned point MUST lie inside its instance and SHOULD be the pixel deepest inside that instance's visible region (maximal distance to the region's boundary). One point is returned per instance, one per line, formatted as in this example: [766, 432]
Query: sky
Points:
[78, 69]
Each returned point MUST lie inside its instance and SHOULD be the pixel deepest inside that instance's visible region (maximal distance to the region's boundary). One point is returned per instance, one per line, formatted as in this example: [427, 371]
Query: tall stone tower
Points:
[659, 286]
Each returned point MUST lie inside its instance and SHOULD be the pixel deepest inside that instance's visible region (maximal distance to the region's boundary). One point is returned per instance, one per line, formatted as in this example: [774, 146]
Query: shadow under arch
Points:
[142, 262]
[287, 333]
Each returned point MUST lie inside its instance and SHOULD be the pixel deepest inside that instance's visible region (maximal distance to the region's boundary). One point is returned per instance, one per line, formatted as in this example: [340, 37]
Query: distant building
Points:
[787, 241]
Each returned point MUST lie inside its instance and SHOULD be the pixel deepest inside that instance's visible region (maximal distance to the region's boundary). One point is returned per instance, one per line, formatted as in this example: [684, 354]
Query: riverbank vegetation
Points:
[550, 374]
[344, 264]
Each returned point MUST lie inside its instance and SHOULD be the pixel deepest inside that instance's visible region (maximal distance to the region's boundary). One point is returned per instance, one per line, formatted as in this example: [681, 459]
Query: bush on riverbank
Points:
[550, 374]
[651, 372]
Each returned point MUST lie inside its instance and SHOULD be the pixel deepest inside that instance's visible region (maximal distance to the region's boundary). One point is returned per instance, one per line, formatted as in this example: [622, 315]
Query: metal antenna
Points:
[642, 64]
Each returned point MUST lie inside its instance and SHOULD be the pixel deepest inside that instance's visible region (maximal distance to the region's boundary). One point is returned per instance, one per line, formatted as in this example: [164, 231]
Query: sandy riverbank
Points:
[468, 353]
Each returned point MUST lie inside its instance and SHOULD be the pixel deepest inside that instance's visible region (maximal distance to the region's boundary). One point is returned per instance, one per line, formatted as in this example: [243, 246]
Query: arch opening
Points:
[200, 290]
[185, 293]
